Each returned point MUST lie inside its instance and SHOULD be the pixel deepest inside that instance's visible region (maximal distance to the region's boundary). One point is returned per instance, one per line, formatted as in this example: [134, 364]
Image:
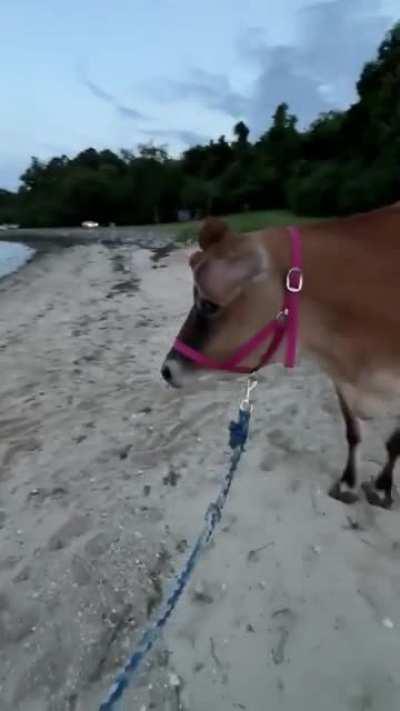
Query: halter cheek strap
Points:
[284, 325]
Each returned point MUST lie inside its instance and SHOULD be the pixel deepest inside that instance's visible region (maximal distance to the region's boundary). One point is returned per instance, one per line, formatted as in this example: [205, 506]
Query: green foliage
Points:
[8, 206]
[196, 194]
[345, 162]
[312, 188]
[324, 139]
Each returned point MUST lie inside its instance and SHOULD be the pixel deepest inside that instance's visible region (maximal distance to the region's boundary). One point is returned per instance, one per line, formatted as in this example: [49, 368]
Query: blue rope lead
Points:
[238, 434]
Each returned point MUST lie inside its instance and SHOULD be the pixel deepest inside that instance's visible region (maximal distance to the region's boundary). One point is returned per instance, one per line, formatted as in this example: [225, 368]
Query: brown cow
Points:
[349, 314]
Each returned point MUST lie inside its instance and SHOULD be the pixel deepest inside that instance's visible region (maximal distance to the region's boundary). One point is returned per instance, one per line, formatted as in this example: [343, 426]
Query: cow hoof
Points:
[342, 493]
[375, 497]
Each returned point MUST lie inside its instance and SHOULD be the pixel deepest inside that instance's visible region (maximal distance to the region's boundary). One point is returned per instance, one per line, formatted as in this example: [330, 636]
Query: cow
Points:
[331, 291]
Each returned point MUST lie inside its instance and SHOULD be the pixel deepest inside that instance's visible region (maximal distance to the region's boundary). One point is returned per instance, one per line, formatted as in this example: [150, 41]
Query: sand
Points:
[105, 477]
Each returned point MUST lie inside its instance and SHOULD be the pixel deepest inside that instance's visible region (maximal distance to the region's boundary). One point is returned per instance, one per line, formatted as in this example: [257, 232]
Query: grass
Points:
[242, 222]
[250, 221]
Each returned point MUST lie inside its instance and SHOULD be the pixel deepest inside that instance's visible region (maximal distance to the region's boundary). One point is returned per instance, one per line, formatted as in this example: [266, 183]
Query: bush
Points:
[313, 189]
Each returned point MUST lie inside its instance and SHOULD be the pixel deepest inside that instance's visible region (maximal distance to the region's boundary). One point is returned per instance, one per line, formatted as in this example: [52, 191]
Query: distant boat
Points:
[90, 224]
[10, 226]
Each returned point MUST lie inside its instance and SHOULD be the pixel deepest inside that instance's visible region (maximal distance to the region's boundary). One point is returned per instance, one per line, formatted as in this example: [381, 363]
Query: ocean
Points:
[13, 255]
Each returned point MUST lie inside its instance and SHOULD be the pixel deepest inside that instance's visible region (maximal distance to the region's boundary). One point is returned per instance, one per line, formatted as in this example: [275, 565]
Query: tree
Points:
[241, 132]
[280, 147]
[152, 152]
[8, 206]
[195, 195]
[324, 139]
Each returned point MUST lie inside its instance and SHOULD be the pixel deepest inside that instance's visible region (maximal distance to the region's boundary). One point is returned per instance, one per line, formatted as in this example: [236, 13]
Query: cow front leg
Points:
[344, 489]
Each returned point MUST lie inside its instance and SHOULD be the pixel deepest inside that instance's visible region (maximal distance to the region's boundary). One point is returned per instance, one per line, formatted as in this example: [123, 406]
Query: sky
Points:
[116, 73]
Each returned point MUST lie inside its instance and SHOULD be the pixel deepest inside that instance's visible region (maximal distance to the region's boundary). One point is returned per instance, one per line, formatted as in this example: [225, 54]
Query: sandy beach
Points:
[105, 475]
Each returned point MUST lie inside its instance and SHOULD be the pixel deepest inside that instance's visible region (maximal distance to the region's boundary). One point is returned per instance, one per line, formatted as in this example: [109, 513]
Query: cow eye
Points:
[206, 308]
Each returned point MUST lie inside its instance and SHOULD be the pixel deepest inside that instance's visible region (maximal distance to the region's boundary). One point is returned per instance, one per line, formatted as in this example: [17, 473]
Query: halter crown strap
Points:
[293, 287]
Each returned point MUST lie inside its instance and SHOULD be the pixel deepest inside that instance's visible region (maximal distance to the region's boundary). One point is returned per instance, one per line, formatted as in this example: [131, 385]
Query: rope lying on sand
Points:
[238, 435]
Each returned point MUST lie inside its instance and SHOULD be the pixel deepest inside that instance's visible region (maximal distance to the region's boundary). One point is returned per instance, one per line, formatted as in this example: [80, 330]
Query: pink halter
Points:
[286, 323]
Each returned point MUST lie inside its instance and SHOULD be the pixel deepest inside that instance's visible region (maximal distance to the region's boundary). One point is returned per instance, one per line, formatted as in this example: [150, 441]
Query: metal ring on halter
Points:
[294, 288]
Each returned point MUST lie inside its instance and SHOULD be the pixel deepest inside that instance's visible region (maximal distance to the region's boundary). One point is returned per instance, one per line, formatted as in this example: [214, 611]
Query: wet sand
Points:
[105, 477]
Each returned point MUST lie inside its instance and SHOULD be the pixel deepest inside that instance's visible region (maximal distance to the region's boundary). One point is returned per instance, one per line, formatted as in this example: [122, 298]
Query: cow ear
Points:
[213, 231]
[220, 280]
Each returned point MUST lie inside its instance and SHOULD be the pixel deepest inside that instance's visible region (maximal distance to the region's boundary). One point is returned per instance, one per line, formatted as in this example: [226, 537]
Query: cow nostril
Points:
[166, 373]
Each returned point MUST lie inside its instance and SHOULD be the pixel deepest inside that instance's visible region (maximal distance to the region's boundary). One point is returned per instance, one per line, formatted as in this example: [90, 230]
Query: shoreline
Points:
[40, 250]
[51, 241]
[155, 236]
[14, 256]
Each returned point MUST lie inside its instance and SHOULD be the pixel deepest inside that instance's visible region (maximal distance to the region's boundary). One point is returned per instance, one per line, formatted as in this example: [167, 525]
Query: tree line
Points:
[344, 162]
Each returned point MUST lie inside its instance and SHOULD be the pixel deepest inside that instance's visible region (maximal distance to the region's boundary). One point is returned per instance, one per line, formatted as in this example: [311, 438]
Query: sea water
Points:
[13, 255]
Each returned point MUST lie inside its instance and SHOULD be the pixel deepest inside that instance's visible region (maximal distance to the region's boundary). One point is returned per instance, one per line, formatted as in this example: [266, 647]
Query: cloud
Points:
[282, 79]
[100, 93]
[319, 72]
[316, 73]
[186, 137]
[212, 90]
[128, 113]
[97, 91]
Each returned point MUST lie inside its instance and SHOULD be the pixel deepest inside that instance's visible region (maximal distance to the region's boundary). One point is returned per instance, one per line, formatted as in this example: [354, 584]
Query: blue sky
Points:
[79, 73]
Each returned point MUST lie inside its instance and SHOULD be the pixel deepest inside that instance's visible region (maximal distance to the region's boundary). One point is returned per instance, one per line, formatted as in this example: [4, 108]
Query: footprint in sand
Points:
[281, 626]
[22, 446]
[310, 558]
[17, 619]
[74, 527]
